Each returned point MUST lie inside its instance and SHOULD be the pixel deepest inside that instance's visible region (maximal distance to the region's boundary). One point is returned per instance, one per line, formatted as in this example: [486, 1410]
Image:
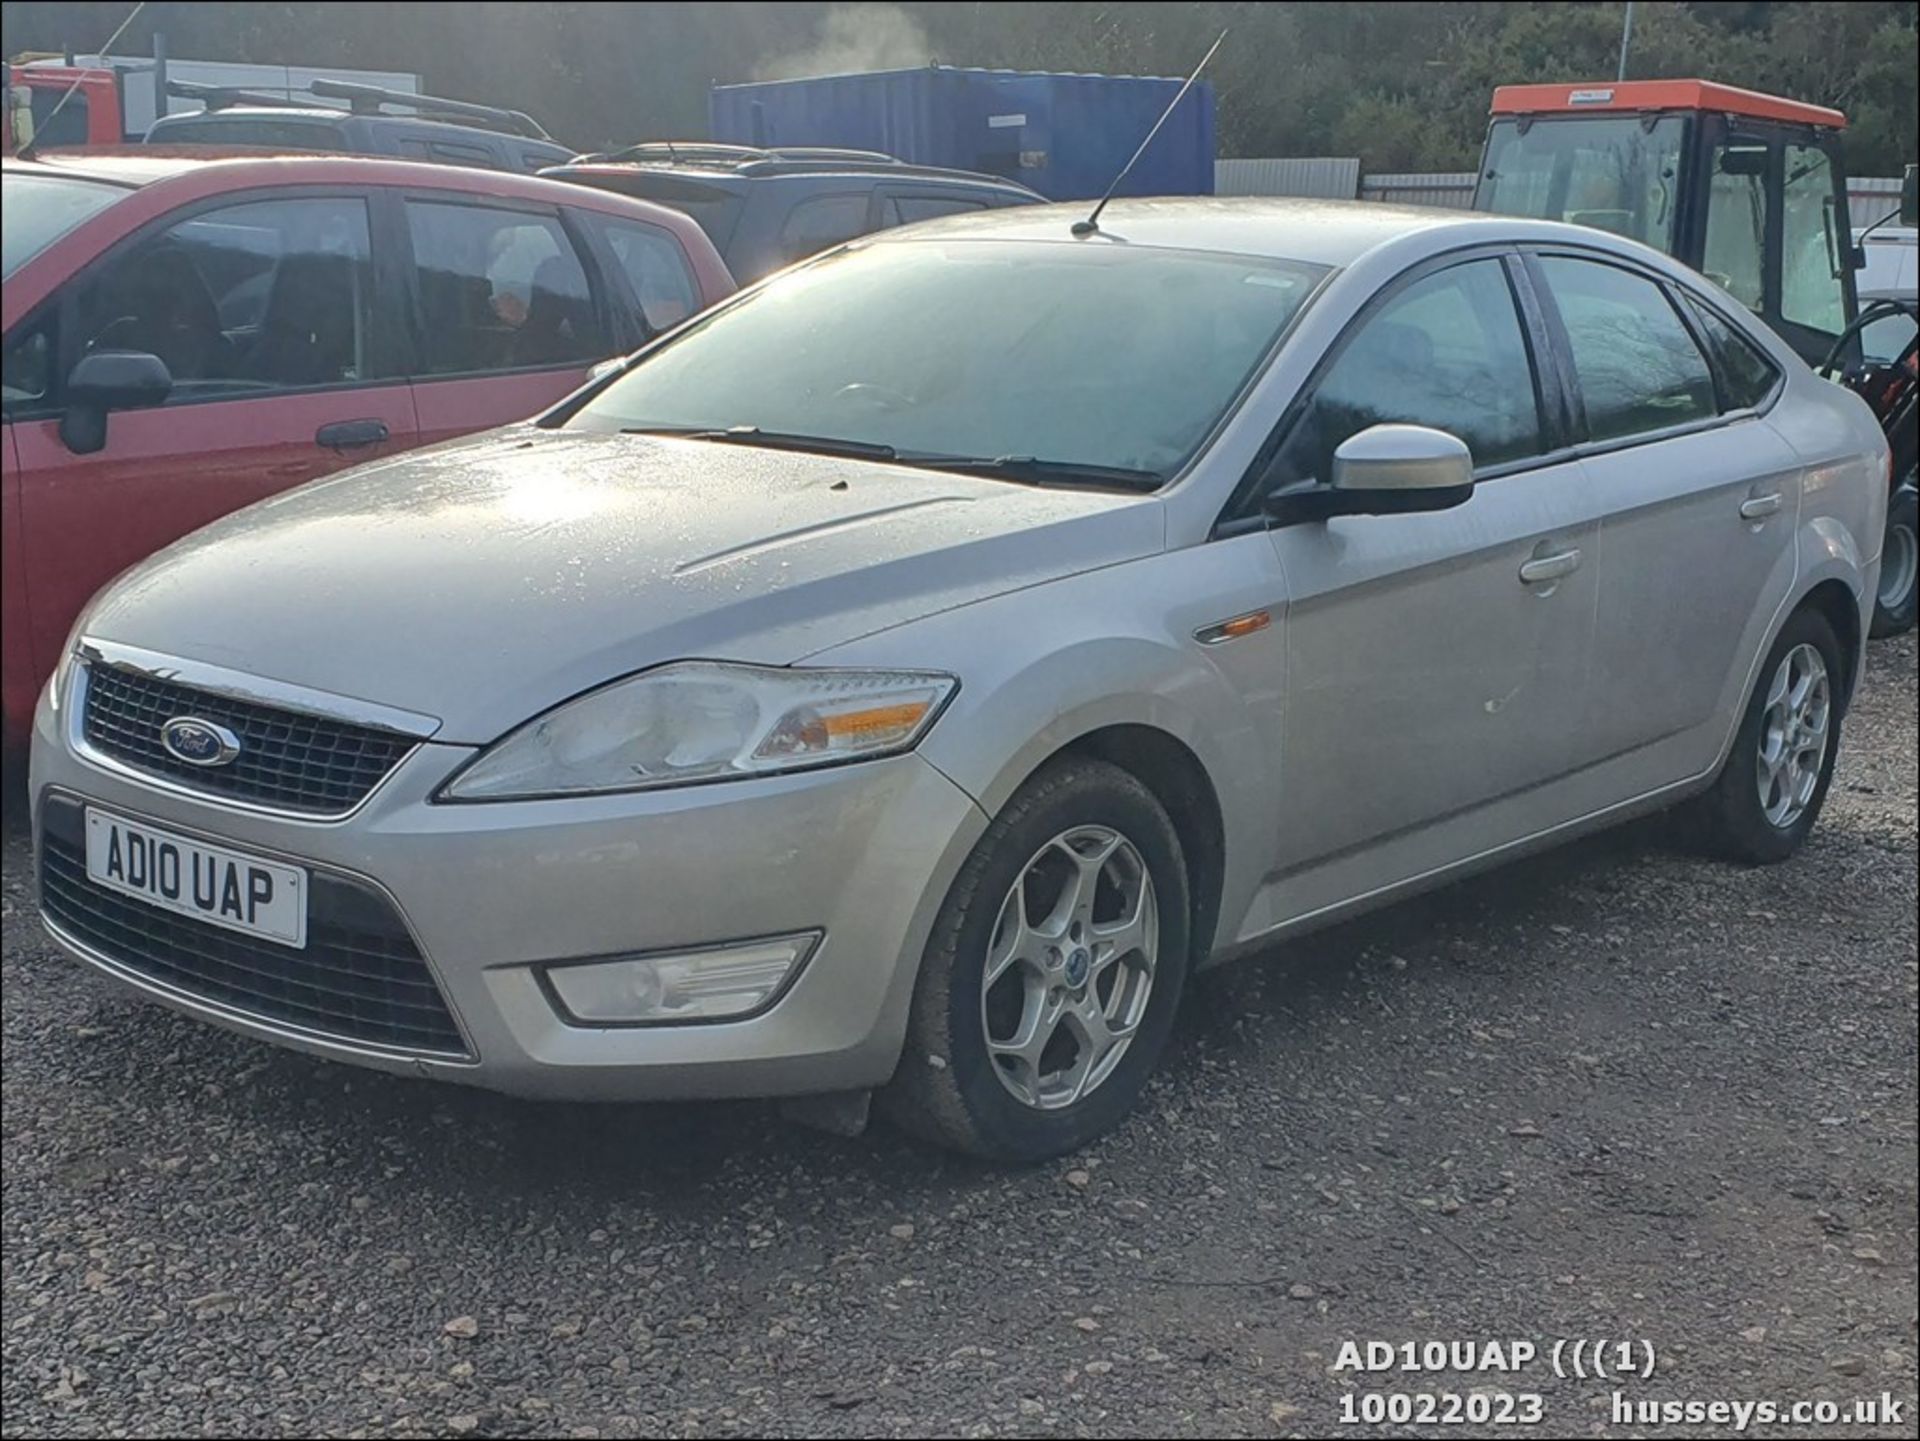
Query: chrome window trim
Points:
[252, 689]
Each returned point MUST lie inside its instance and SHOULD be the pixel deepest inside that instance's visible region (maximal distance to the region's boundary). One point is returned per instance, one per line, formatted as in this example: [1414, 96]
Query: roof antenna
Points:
[25, 152]
[1092, 223]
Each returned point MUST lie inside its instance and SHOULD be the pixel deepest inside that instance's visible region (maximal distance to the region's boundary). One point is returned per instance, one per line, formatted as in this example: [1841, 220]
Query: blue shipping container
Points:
[1065, 136]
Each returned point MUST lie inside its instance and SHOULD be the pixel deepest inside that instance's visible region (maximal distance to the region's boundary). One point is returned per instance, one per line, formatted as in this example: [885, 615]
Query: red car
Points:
[185, 335]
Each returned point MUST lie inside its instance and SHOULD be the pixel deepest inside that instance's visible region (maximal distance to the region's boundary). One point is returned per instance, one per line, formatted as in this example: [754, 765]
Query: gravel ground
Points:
[1618, 1091]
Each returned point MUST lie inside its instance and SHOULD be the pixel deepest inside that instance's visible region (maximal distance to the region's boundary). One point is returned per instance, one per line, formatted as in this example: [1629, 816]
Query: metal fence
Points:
[1871, 198]
[1452, 189]
[1322, 179]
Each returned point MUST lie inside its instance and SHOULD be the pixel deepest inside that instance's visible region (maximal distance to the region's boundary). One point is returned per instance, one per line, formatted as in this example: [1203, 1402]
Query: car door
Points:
[1702, 497]
[265, 313]
[508, 310]
[1436, 664]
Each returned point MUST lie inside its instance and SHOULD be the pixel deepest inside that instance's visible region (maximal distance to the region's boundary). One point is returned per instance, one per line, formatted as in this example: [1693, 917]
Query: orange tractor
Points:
[1750, 190]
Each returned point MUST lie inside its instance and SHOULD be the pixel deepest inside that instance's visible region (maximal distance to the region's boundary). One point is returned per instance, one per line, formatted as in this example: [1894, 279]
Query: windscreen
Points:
[1612, 172]
[1089, 354]
[39, 209]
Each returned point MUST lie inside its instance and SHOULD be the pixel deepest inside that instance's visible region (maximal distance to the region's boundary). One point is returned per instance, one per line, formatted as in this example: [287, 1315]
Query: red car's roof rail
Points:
[1637, 95]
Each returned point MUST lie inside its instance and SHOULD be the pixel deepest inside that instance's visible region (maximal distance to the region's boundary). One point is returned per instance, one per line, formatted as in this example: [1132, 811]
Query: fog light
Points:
[714, 984]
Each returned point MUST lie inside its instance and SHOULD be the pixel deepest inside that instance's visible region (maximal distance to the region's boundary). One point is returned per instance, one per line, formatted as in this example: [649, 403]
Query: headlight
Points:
[703, 721]
[63, 667]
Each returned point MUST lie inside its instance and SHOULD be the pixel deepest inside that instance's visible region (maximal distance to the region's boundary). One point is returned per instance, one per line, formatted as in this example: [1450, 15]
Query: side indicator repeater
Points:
[1233, 629]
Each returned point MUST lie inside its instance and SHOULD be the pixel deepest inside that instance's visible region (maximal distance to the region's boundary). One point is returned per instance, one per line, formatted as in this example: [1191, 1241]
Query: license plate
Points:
[208, 883]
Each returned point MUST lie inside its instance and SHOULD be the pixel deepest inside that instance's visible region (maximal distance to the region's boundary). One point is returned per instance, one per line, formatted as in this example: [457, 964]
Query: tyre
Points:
[1053, 973]
[1775, 781]
[1894, 606]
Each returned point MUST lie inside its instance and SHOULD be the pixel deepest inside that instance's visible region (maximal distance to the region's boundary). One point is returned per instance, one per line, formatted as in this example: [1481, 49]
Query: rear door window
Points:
[823, 222]
[905, 209]
[264, 296]
[499, 290]
[448, 152]
[1448, 352]
[1637, 365]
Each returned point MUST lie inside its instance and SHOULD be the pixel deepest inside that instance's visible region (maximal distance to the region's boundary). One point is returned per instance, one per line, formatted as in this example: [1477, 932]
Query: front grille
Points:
[360, 977]
[288, 759]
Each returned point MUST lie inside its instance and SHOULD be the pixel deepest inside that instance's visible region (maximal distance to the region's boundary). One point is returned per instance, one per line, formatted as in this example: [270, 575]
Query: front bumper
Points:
[862, 853]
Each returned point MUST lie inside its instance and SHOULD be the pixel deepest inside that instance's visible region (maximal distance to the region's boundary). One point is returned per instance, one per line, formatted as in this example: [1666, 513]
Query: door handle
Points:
[1544, 570]
[351, 434]
[1759, 507]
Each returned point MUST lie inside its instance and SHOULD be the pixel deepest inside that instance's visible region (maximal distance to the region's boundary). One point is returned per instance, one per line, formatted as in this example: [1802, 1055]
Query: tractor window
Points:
[1812, 247]
[1735, 251]
[1611, 172]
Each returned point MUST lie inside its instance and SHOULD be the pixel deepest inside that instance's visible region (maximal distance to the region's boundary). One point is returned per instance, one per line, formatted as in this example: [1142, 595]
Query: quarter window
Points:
[656, 268]
[1636, 364]
[273, 295]
[1447, 352]
[1812, 249]
[500, 290]
[1746, 376]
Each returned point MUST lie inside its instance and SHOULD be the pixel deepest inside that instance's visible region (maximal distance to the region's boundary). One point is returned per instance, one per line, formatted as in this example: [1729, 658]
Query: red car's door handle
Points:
[351, 434]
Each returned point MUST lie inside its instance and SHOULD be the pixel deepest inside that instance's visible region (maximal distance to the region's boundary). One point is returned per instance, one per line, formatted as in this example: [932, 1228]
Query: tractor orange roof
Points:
[1660, 95]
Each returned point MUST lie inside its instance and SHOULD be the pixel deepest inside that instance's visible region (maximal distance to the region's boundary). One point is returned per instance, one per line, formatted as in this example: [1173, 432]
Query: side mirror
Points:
[1393, 469]
[109, 380]
[1910, 197]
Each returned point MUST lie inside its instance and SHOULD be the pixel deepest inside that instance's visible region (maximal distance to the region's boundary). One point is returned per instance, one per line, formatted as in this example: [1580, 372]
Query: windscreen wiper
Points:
[1031, 470]
[770, 439]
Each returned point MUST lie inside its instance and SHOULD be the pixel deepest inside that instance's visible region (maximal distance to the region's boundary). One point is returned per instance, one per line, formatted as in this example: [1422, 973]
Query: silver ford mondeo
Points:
[897, 681]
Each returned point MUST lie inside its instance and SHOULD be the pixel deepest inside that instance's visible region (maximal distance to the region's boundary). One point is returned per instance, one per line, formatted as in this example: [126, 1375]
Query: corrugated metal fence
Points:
[1871, 198]
[1332, 179]
[1335, 178]
[1450, 188]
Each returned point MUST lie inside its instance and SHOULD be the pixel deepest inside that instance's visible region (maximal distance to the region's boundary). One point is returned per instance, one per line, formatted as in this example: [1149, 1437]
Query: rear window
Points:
[263, 132]
[39, 209]
[59, 115]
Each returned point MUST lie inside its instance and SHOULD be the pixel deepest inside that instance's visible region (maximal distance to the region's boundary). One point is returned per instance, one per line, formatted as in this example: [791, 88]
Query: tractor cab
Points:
[1749, 189]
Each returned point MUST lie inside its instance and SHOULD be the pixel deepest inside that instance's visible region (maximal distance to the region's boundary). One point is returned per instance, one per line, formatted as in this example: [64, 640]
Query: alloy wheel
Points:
[1794, 729]
[1070, 967]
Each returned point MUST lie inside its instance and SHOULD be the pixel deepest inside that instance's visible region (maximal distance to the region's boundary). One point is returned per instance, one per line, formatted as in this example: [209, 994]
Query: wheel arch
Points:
[1168, 768]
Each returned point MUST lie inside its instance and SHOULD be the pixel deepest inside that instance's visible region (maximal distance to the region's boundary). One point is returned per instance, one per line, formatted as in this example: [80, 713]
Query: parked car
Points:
[185, 336]
[900, 678]
[368, 121]
[765, 209]
[1892, 272]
